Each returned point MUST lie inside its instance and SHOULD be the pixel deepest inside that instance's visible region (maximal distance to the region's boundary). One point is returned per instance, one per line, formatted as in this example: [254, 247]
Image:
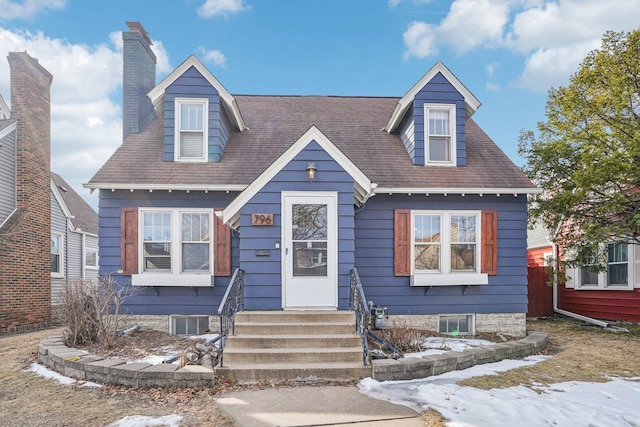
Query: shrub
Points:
[91, 311]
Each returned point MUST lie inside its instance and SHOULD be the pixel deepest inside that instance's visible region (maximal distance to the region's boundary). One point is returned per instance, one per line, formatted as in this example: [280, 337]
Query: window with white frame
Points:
[189, 325]
[91, 258]
[622, 270]
[445, 248]
[440, 134]
[191, 130]
[56, 255]
[175, 243]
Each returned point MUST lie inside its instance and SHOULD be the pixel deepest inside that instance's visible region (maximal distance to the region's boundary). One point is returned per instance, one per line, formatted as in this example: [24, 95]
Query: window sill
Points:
[456, 279]
[604, 288]
[169, 279]
[57, 276]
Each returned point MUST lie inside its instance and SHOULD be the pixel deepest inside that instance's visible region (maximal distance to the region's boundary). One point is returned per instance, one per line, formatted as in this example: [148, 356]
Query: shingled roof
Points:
[354, 124]
[83, 215]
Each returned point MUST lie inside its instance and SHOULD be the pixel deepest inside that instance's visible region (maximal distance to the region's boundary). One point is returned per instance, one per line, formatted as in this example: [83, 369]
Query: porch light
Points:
[311, 171]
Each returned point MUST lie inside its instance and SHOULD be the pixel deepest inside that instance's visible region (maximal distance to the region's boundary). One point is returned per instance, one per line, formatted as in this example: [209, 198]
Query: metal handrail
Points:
[358, 303]
[232, 302]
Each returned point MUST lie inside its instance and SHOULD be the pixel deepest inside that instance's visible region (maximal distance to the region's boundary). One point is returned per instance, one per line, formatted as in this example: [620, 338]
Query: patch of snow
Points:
[440, 345]
[563, 404]
[172, 420]
[206, 337]
[47, 373]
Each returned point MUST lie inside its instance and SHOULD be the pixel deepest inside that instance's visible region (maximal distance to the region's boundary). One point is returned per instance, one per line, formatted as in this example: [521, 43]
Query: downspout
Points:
[591, 320]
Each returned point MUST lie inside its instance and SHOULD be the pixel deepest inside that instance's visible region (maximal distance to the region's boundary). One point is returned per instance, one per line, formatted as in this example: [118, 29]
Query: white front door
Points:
[309, 235]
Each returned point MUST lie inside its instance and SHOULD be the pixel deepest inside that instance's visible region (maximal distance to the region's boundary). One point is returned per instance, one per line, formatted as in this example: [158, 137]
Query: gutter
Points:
[591, 320]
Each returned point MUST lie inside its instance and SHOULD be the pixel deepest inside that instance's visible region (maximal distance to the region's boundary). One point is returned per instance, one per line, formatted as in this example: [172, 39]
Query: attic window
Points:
[191, 129]
[440, 134]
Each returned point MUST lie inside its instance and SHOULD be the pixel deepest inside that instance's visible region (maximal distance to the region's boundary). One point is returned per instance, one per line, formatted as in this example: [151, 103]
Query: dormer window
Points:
[191, 129]
[440, 134]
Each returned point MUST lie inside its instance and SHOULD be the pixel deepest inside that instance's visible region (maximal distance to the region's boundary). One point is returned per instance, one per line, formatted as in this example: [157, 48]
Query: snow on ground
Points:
[439, 345]
[47, 373]
[142, 421]
[568, 404]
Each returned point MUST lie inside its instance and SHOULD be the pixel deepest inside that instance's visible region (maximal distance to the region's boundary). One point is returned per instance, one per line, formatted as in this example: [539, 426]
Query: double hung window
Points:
[191, 118]
[622, 270]
[440, 140]
[175, 244]
[56, 255]
[446, 244]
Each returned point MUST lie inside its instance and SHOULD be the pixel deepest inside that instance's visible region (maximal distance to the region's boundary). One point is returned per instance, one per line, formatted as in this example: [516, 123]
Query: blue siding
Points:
[506, 291]
[170, 300]
[439, 91]
[193, 85]
[263, 279]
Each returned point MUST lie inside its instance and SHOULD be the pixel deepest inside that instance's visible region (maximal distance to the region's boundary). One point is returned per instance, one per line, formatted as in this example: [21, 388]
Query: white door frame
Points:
[309, 292]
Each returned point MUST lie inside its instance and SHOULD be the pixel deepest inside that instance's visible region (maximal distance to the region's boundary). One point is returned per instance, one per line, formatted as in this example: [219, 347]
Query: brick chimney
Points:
[139, 77]
[25, 238]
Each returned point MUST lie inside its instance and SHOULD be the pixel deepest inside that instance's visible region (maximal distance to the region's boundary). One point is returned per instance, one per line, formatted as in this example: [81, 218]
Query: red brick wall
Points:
[25, 271]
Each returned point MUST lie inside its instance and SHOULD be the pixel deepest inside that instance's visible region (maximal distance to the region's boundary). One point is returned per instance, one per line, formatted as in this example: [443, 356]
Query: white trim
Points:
[177, 103]
[164, 187]
[175, 277]
[445, 276]
[10, 128]
[5, 112]
[58, 196]
[633, 251]
[471, 102]
[192, 61]
[231, 213]
[457, 190]
[60, 273]
[331, 281]
[451, 109]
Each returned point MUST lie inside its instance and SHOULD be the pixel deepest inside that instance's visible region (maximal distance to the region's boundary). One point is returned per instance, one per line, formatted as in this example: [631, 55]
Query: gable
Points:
[363, 187]
[228, 101]
[193, 87]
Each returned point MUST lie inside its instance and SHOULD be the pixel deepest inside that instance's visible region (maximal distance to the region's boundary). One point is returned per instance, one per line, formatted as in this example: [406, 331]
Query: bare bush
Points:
[91, 311]
[404, 337]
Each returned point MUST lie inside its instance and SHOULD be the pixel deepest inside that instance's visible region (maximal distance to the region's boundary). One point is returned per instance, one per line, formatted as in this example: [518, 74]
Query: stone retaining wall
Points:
[78, 364]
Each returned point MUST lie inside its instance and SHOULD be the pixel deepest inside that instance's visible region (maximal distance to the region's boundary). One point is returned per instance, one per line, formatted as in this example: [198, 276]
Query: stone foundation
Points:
[513, 324]
[159, 322]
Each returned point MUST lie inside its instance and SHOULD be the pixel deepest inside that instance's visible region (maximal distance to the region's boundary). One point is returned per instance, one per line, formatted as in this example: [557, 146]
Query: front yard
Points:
[579, 353]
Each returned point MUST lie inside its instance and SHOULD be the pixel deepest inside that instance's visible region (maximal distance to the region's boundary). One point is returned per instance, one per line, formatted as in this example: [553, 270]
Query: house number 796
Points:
[262, 219]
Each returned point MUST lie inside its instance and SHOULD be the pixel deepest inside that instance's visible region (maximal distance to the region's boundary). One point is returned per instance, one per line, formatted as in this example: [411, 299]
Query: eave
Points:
[164, 187]
[471, 102]
[457, 191]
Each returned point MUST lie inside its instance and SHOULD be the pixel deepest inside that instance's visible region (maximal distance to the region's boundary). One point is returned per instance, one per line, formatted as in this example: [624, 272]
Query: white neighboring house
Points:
[74, 237]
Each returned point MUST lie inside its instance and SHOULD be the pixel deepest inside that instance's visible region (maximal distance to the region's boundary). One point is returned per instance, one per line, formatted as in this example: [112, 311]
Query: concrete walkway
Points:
[314, 406]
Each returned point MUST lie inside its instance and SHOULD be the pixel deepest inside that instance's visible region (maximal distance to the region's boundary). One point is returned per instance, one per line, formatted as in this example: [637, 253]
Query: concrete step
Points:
[290, 328]
[242, 356]
[294, 341]
[306, 372]
[283, 316]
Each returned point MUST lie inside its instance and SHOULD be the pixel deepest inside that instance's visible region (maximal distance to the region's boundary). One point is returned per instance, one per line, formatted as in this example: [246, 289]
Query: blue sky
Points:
[507, 52]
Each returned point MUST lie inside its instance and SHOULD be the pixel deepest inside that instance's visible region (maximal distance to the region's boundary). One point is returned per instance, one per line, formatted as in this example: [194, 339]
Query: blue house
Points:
[298, 191]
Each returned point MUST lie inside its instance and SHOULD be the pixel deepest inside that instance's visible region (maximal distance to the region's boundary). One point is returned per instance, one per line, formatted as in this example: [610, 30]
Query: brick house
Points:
[25, 201]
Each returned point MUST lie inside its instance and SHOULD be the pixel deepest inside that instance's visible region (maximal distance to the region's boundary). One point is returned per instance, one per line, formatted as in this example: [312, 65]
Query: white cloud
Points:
[460, 29]
[221, 7]
[420, 39]
[552, 35]
[214, 57]
[545, 68]
[28, 8]
[86, 124]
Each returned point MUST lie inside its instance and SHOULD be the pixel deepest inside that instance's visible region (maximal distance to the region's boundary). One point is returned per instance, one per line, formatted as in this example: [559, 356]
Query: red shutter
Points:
[129, 240]
[402, 242]
[222, 245]
[489, 237]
